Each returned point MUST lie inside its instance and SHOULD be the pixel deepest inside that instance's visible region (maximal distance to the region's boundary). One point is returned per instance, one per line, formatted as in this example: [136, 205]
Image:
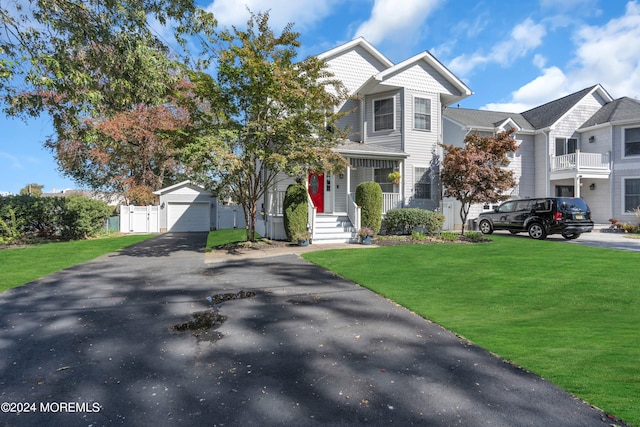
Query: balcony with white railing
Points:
[580, 163]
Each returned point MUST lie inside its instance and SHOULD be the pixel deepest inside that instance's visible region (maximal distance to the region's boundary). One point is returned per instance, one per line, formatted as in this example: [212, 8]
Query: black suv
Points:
[568, 216]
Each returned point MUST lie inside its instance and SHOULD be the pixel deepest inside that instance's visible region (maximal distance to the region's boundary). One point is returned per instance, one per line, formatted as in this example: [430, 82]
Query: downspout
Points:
[546, 132]
[363, 125]
[612, 175]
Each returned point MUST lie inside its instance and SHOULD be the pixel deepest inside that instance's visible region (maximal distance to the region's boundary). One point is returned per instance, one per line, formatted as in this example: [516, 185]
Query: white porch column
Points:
[577, 185]
[348, 180]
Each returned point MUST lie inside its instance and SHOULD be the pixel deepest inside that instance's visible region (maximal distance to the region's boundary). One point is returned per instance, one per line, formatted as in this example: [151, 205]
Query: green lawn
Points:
[22, 265]
[225, 237]
[568, 313]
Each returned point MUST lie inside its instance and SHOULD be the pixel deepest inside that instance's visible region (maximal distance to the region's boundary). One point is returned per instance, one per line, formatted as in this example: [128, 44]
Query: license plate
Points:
[578, 216]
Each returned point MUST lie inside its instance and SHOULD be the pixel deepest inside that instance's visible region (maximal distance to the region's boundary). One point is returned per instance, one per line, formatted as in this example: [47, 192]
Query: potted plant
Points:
[302, 237]
[395, 177]
[365, 234]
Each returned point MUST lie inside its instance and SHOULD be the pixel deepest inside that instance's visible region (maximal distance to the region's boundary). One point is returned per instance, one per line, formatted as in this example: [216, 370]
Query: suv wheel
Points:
[485, 227]
[570, 236]
[537, 231]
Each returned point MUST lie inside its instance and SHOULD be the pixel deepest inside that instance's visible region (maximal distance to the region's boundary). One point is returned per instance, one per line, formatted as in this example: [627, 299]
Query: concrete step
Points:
[333, 229]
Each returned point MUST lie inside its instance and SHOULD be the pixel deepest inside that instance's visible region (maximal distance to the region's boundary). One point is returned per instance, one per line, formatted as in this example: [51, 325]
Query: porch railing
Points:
[390, 201]
[580, 161]
[353, 211]
[312, 210]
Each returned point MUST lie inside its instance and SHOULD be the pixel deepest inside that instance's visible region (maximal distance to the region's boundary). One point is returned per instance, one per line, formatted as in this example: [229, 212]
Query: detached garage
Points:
[185, 207]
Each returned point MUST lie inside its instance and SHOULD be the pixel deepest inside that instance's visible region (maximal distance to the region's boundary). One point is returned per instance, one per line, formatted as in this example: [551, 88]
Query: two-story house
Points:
[395, 122]
[585, 144]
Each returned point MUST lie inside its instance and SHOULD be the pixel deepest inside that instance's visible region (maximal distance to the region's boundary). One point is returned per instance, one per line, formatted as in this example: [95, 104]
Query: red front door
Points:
[316, 190]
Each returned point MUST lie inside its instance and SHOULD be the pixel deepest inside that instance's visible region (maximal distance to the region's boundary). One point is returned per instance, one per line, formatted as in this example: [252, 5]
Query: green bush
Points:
[476, 236]
[369, 198]
[83, 217]
[296, 211]
[51, 217]
[449, 236]
[406, 220]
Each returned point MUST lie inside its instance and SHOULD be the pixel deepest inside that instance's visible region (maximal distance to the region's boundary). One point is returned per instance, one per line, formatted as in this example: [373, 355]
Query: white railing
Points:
[390, 201]
[353, 211]
[311, 215]
[580, 161]
[276, 201]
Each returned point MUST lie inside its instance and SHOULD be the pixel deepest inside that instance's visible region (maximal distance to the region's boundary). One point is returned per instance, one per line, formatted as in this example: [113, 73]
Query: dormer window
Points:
[383, 114]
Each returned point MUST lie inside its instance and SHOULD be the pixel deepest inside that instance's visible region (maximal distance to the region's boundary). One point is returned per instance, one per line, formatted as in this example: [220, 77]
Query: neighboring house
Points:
[395, 122]
[585, 144]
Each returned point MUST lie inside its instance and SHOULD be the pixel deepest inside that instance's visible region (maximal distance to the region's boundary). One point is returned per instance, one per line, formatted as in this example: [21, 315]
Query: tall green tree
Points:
[87, 63]
[476, 173]
[32, 189]
[274, 114]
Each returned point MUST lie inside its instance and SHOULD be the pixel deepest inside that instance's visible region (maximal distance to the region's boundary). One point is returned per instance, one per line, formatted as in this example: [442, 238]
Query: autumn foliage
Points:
[476, 172]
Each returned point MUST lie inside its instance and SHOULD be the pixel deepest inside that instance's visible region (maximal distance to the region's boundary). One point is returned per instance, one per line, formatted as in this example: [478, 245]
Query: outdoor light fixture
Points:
[592, 186]
[592, 138]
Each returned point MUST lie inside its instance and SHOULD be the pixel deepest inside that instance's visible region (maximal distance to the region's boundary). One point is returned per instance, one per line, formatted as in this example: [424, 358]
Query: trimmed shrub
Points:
[83, 217]
[369, 198]
[51, 217]
[296, 211]
[407, 220]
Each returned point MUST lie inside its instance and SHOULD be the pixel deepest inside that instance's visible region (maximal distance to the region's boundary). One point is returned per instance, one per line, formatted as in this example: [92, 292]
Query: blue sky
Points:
[514, 55]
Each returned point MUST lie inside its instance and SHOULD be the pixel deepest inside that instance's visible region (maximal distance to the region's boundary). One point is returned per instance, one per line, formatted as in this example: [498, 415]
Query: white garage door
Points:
[188, 217]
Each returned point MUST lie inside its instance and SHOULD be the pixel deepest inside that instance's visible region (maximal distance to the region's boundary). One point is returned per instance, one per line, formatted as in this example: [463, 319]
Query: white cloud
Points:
[609, 55]
[524, 37]
[302, 13]
[550, 85]
[13, 160]
[392, 20]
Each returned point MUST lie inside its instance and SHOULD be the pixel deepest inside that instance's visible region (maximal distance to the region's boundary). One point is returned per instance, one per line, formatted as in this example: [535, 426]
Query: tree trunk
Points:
[463, 214]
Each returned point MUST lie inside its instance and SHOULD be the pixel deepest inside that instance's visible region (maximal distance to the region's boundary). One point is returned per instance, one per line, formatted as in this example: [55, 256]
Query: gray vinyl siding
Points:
[624, 168]
[523, 165]
[421, 76]
[453, 132]
[387, 138]
[351, 121]
[541, 165]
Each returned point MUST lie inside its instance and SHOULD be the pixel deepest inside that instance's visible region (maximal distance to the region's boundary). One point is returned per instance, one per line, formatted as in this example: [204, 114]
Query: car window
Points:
[542, 205]
[506, 207]
[571, 204]
[522, 205]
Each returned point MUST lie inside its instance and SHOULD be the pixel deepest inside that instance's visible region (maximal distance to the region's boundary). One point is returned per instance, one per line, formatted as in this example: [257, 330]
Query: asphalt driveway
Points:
[291, 345]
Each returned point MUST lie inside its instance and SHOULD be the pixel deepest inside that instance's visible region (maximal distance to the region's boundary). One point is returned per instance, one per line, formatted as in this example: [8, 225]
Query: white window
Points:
[422, 113]
[632, 142]
[422, 183]
[383, 114]
[631, 194]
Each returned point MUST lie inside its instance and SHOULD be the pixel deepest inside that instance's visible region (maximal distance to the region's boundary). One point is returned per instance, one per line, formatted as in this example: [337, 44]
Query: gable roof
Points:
[623, 109]
[547, 114]
[361, 42]
[460, 90]
[179, 185]
[485, 119]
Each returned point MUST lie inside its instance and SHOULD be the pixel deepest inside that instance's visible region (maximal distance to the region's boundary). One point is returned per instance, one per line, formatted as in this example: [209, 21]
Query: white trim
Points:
[373, 113]
[414, 97]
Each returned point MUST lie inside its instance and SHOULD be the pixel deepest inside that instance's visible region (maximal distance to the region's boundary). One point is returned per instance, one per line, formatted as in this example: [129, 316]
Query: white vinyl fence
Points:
[139, 219]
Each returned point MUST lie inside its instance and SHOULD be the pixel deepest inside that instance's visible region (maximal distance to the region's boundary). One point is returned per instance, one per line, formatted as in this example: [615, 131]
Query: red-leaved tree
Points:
[476, 173]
